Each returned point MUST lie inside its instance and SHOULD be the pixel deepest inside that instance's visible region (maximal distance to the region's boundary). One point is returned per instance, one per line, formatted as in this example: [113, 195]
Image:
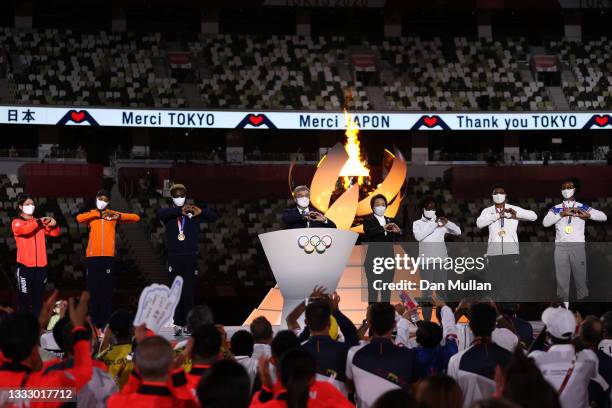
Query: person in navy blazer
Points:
[303, 215]
[379, 232]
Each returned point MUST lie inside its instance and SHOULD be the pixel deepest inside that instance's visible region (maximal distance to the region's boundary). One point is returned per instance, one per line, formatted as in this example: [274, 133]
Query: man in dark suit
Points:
[379, 232]
[303, 215]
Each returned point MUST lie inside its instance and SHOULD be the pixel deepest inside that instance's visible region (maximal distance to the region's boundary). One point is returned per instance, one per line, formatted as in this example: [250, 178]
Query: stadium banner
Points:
[307, 120]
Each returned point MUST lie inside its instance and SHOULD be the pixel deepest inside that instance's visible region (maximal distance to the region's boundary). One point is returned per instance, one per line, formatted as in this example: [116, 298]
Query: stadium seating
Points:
[65, 68]
[275, 72]
[590, 62]
[458, 74]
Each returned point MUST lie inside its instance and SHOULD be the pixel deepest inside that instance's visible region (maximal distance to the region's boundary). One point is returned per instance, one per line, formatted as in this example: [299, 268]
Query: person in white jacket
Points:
[502, 220]
[569, 219]
[430, 231]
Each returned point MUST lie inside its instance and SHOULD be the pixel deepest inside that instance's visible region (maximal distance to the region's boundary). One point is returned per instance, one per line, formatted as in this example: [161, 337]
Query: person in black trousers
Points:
[379, 233]
[182, 223]
[303, 215]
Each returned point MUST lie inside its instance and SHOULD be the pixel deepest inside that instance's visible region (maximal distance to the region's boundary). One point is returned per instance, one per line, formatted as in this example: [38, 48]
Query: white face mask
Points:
[568, 192]
[178, 201]
[431, 214]
[28, 209]
[101, 204]
[380, 210]
[499, 198]
[302, 201]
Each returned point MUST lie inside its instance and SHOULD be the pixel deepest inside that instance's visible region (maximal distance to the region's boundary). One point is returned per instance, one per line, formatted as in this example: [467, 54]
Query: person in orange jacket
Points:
[100, 255]
[30, 237]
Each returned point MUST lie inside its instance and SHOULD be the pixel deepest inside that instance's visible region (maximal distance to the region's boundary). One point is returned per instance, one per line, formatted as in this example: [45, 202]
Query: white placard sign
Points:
[157, 304]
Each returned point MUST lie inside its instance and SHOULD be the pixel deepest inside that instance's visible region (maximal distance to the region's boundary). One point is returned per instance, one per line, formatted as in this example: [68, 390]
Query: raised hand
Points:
[318, 292]
[442, 221]
[47, 309]
[512, 213]
[264, 372]
[583, 215]
[78, 313]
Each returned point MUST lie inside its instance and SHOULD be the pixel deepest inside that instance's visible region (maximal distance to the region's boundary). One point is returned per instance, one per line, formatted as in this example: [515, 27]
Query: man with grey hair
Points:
[303, 215]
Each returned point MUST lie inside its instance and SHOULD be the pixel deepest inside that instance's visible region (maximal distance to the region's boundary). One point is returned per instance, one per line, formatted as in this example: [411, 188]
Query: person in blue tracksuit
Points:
[182, 223]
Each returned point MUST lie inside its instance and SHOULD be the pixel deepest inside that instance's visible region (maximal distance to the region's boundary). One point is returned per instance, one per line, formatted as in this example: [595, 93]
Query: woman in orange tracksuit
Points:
[100, 255]
[30, 238]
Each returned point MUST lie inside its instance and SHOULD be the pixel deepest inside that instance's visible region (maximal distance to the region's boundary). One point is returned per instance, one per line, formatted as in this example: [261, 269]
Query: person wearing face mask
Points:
[502, 220]
[303, 215]
[182, 222]
[100, 255]
[379, 232]
[430, 231]
[569, 219]
[30, 237]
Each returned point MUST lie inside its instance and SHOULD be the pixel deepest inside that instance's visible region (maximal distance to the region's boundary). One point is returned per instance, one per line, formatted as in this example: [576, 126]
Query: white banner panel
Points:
[79, 116]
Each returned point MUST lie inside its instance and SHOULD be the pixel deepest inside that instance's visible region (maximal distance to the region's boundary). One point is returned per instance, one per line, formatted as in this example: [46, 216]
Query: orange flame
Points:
[355, 166]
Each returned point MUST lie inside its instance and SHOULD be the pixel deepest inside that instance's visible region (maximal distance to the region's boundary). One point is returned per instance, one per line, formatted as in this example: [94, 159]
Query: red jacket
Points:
[175, 393]
[15, 375]
[30, 239]
[322, 395]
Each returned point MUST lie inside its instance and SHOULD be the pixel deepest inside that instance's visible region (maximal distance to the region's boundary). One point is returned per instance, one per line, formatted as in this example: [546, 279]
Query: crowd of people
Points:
[477, 354]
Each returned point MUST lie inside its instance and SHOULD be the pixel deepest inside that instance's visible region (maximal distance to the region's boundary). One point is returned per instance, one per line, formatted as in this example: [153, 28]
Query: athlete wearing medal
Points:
[182, 222]
[569, 219]
[502, 220]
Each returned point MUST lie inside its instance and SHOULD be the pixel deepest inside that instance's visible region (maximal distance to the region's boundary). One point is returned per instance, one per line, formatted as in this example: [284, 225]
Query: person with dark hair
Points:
[523, 329]
[395, 399]
[102, 385]
[225, 385]
[182, 223]
[283, 342]
[157, 386]
[21, 365]
[330, 354]
[437, 344]
[474, 368]
[241, 346]
[30, 238]
[380, 366]
[502, 220]
[299, 389]
[379, 232]
[198, 316]
[117, 346]
[523, 383]
[205, 352]
[568, 371]
[100, 255]
[590, 336]
[439, 391]
[430, 231]
[303, 215]
[261, 329]
[605, 345]
[494, 403]
[569, 219]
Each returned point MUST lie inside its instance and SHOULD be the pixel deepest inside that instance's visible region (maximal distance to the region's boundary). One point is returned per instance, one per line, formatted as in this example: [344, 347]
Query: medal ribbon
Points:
[501, 216]
[569, 218]
[180, 221]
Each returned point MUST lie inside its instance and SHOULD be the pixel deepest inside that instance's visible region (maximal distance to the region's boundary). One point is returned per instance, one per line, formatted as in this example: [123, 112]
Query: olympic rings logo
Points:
[314, 243]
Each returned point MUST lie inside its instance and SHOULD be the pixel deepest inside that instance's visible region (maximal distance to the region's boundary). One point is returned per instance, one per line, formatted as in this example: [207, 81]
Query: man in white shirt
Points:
[569, 219]
[502, 220]
[567, 371]
[430, 231]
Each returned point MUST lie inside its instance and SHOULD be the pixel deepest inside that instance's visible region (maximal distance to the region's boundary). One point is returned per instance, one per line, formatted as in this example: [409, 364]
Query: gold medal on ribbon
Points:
[501, 232]
[569, 229]
[181, 237]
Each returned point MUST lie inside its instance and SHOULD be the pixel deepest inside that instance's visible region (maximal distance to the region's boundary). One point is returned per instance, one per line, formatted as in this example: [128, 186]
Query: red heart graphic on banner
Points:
[601, 120]
[77, 116]
[430, 121]
[256, 119]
